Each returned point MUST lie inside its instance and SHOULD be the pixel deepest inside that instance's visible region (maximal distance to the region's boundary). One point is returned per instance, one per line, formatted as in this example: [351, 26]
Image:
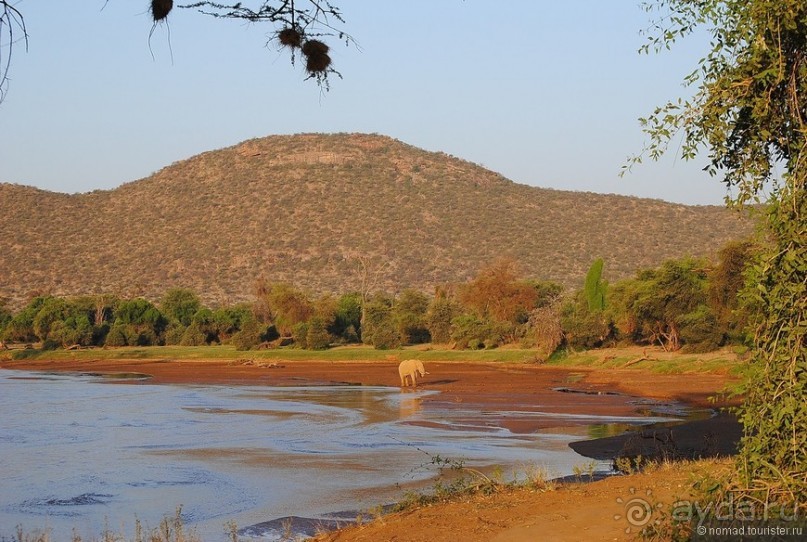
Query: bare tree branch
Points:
[12, 31]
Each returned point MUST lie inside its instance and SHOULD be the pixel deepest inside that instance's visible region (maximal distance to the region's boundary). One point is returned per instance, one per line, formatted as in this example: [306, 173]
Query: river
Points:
[82, 453]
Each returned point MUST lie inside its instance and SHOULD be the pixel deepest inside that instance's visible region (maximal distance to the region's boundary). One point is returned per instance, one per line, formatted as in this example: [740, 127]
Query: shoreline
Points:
[495, 384]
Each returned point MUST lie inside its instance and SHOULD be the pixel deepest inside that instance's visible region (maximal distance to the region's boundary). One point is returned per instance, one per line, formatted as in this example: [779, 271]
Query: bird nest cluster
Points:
[317, 60]
[160, 9]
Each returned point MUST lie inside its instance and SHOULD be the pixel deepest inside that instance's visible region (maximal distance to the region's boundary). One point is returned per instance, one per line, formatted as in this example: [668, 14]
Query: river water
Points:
[81, 453]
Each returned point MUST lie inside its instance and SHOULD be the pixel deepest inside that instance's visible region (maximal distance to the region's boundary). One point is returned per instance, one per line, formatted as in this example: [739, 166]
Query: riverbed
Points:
[87, 452]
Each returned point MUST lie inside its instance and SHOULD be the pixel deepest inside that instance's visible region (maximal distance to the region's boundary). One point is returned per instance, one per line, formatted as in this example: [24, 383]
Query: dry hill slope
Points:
[299, 208]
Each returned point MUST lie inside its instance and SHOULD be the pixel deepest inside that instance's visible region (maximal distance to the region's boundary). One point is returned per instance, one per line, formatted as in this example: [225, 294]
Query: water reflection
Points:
[77, 451]
[410, 404]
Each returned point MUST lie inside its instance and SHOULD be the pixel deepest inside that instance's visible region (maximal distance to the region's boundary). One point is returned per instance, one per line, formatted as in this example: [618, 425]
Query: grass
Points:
[721, 362]
[343, 353]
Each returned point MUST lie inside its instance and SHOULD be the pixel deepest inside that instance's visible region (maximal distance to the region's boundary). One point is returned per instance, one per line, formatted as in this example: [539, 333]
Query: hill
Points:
[312, 209]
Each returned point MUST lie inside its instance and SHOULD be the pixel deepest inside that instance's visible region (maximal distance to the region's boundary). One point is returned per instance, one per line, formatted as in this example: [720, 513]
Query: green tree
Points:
[726, 282]
[439, 318]
[668, 306]
[21, 326]
[289, 307]
[410, 315]
[227, 321]
[380, 328]
[347, 317]
[317, 336]
[139, 322]
[249, 335]
[179, 305]
[748, 111]
[5, 318]
[594, 287]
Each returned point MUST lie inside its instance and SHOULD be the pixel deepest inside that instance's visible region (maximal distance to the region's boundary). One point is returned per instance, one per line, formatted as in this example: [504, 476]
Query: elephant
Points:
[410, 368]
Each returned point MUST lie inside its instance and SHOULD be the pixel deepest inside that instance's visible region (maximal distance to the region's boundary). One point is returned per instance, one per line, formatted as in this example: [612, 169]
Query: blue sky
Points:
[547, 93]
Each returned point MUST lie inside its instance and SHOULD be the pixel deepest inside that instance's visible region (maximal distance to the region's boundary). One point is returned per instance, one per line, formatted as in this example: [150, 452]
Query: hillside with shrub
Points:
[330, 213]
[690, 303]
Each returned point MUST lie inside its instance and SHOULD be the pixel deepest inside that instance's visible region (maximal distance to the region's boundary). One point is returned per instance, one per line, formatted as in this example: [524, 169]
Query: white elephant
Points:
[410, 368]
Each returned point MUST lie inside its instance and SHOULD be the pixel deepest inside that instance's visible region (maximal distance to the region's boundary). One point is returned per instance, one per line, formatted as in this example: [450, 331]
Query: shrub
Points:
[180, 305]
[317, 336]
[249, 337]
[544, 331]
[470, 331]
[583, 328]
[116, 336]
[439, 317]
[173, 333]
[193, 336]
[299, 334]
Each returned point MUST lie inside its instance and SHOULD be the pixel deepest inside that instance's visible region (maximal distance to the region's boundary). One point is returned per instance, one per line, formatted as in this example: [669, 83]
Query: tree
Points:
[439, 318]
[297, 29]
[12, 31]
[179, 305]
[726, 282]
[5, 318]
[667, 305]
[379, 327]
[289, 307]
[410, 312]
[497, 293]
[347, 317]
[138, 322]
[594, 287]
[749, 112]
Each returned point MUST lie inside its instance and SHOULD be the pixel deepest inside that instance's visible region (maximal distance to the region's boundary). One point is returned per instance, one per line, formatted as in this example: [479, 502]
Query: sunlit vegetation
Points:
[298, 209]
[687, 304]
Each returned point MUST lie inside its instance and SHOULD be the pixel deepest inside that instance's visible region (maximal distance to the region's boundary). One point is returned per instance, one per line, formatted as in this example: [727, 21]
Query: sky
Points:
[546, 93]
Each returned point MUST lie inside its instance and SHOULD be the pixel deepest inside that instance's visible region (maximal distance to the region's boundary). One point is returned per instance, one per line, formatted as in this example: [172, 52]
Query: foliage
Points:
[248, 337]
[139, 322]
[261, 190]
[21, 327]
[289, 307]
[439, 318]
[472, 332]
[194, 336]
[180, 304]
[544, 331]
[380, 328]
[5, 317]
[410, 311]
[594, 287]
[726, 282]
[347, 317]
[498, 294]
[317, 336]
[749, 113]
[547, 292]
[226, 321]
[583, 328]
[667, 305]
[774, 414]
